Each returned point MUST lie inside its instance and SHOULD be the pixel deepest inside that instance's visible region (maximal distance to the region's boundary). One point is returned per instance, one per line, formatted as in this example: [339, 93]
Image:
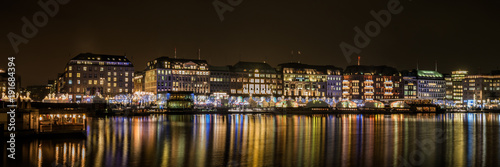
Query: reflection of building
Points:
[138, 81]
[481, 90]
[220, 79]
[166, 74]
[457, 88]
[430, 84]
[88, 75]
[302, 80]
[254, 78]
[371, 83]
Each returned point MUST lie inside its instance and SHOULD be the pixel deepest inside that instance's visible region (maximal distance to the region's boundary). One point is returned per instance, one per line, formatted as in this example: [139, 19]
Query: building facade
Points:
[138, 81]
[220, 79]
[481, 91]
[88, 75]
[310, 81]
[457, 88]
[254, 79]
[371, 83]
[166, 74]
[429, 84]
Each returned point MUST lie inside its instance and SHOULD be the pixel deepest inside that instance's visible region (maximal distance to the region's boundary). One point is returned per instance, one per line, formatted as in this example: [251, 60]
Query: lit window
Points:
[78, 75]
[70, 82]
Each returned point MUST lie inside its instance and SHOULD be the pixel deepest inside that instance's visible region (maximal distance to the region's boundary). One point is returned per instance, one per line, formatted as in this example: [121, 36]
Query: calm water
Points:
[269, 140]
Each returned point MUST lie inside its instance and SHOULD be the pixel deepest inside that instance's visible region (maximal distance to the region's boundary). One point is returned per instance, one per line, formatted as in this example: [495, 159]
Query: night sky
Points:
[457, 34]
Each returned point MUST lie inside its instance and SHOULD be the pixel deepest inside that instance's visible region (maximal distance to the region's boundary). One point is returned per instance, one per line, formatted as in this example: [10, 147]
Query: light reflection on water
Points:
[281, 140]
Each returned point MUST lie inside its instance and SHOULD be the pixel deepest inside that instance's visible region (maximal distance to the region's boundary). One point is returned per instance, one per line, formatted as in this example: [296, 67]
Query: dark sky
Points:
[458, 34]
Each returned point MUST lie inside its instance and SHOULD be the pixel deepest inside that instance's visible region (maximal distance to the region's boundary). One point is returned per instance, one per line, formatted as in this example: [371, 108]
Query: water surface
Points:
[276, 140]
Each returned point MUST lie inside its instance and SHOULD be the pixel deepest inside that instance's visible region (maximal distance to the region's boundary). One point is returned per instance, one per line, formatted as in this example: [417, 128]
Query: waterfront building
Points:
[89, 75]
[164, 75]
[429, 84]
[138, 81]
[362, 82]
[449, 87]
[220, 79]
[254, 79]
[481, 90]
[410, 87]
[308, 82]
[457, 78]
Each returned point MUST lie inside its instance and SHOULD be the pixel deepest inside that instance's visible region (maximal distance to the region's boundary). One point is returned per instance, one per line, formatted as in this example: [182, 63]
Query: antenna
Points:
[436, 66]
[359, 60]
[175, 53]
[417, 64]
[199, 54]
[299, 53]
[291, 59]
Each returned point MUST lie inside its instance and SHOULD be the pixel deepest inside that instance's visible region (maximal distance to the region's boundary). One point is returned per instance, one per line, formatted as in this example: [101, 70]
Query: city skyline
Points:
[256, 32]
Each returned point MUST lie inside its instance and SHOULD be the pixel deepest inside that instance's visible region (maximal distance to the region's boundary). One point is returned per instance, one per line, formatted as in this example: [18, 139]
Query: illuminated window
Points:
[78, 75]
[70, 68]
[114, 84]
[102, 69]
[84, 68]
[78, 82]
[114, 79]
[70, 74]
[70, 82]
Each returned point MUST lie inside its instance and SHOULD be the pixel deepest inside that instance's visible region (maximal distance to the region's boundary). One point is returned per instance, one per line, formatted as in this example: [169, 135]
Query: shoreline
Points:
[290, 112]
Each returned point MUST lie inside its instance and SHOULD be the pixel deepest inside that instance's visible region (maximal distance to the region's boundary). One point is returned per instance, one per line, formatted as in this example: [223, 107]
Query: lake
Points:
[451, 139]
